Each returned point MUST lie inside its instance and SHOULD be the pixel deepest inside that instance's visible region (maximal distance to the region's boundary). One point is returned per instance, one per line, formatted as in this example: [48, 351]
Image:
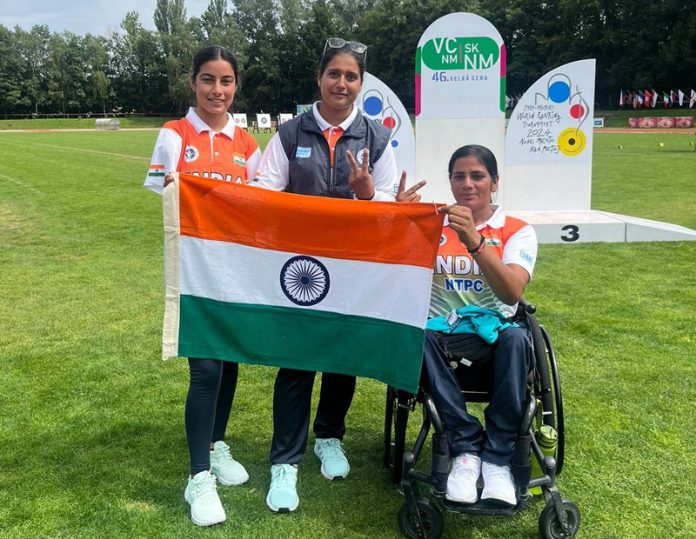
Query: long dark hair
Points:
[214, 52]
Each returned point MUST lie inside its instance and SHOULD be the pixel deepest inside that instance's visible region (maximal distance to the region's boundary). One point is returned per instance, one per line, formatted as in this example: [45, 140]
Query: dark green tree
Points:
[97, 88]
[13, 95]
[137, 71]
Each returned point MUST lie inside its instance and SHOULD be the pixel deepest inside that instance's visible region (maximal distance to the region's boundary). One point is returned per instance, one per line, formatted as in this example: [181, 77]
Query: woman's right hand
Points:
[461, 220]
[168, 178]
[360, 179]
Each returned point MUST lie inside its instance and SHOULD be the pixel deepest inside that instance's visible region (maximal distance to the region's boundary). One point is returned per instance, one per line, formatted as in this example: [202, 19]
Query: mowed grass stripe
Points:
[74, 149]
[20, 183]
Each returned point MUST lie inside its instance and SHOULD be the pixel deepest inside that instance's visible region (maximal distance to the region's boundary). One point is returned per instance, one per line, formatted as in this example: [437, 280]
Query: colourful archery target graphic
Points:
[577, 111]
[558, 89]
[579, 108]
[571, 141]
[389, 122]
[378, 103]
[374, 105]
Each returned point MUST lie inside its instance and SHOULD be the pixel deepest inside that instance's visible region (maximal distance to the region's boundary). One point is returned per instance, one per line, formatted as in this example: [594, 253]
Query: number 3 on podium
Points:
[571, 233]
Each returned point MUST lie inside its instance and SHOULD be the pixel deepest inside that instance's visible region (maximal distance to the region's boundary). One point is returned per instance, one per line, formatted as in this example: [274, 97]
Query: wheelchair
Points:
[420, 516]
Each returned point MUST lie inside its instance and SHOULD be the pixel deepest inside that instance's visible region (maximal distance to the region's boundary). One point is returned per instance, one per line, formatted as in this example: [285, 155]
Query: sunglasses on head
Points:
[338, 43]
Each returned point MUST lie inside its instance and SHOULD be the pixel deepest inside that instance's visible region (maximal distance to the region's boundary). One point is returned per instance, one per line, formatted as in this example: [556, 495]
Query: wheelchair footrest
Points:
[486, 507]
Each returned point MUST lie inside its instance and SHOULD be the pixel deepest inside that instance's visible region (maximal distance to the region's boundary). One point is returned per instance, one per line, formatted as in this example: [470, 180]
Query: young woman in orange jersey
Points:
[206, 143]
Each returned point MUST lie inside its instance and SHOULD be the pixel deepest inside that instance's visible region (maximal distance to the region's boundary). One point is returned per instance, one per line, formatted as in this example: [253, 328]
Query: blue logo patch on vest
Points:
[303, 152]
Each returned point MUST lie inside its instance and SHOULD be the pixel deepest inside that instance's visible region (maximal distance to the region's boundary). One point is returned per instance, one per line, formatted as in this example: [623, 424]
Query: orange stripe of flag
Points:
[158, 167]
[386, 232]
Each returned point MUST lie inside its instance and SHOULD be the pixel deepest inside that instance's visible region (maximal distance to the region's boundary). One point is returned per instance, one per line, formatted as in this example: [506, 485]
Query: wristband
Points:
[479, 248]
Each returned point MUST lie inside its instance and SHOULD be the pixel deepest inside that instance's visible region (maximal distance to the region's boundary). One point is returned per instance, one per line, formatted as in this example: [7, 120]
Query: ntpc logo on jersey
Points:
[459, 265]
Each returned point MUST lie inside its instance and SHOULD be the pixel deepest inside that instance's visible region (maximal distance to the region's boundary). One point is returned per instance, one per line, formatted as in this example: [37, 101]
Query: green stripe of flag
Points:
[155, 173]
[301, 339]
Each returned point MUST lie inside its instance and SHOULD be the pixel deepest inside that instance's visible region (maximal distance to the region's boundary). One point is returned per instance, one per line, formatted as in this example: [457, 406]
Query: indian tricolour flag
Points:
[303, 282]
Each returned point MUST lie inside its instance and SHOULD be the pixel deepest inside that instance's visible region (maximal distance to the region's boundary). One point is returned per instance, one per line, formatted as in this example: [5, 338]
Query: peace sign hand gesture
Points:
[360, 179]
[410, 194]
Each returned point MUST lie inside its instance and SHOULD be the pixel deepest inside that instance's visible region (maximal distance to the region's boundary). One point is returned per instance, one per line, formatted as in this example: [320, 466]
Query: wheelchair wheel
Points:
[550, 526]
[395, 422]
[558, 400]
[431, 518]
[547, 387]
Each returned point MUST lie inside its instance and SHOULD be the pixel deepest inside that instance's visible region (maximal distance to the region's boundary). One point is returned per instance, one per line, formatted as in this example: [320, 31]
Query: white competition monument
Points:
[544, 160]
[460, 96]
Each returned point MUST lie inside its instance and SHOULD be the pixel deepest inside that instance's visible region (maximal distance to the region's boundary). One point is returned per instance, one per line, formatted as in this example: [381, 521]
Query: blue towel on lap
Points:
[486, 323]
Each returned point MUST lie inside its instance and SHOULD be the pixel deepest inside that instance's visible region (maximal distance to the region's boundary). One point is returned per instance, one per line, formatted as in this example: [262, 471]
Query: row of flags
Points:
[650, 98]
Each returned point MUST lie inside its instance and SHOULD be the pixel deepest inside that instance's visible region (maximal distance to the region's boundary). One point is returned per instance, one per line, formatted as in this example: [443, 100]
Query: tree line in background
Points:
[637, 43]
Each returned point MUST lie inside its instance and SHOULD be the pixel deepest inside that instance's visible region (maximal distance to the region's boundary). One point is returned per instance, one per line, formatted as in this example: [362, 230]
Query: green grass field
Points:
[79, 123]
[91, 429]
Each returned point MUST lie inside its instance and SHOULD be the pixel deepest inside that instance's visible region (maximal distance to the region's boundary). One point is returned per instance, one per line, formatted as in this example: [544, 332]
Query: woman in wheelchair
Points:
[484, 263]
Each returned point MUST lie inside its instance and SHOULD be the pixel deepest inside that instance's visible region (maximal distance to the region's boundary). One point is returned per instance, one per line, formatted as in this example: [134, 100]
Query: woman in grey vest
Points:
[331, 150]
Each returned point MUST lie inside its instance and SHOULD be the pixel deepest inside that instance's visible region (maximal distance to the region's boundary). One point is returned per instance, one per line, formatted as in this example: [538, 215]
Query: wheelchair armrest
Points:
[529, 308]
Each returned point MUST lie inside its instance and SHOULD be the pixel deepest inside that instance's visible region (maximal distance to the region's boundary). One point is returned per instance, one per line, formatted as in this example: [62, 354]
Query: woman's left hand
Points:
[410, 194]
[360, 179]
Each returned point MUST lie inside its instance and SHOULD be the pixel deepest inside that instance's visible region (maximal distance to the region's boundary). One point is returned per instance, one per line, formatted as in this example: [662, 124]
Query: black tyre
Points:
[542, 383]
[558, 400]
[547, 386]
[430, 525]
[550, 526]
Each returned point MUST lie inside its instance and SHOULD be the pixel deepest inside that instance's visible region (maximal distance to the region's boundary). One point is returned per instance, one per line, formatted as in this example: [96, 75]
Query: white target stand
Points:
[240, 120]
[263, 121]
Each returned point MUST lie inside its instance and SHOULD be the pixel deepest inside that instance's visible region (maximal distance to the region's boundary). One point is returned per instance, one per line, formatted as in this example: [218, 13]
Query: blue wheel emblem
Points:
[304, 280]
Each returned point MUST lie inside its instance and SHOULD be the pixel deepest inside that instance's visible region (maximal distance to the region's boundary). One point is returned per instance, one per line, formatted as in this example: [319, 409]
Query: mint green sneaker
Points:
[201, 494]
[282, 496]
[228, 471]
[334, 464]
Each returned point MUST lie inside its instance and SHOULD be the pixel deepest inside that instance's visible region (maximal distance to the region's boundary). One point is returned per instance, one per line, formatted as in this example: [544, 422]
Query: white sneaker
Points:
[228, 471]
[461, 482]
[334, 464]
[201, 494]
[282, 496]
[498, 483]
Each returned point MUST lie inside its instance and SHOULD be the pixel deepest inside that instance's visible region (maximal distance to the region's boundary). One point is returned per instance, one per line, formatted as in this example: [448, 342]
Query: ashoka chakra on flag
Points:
[305, 280]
